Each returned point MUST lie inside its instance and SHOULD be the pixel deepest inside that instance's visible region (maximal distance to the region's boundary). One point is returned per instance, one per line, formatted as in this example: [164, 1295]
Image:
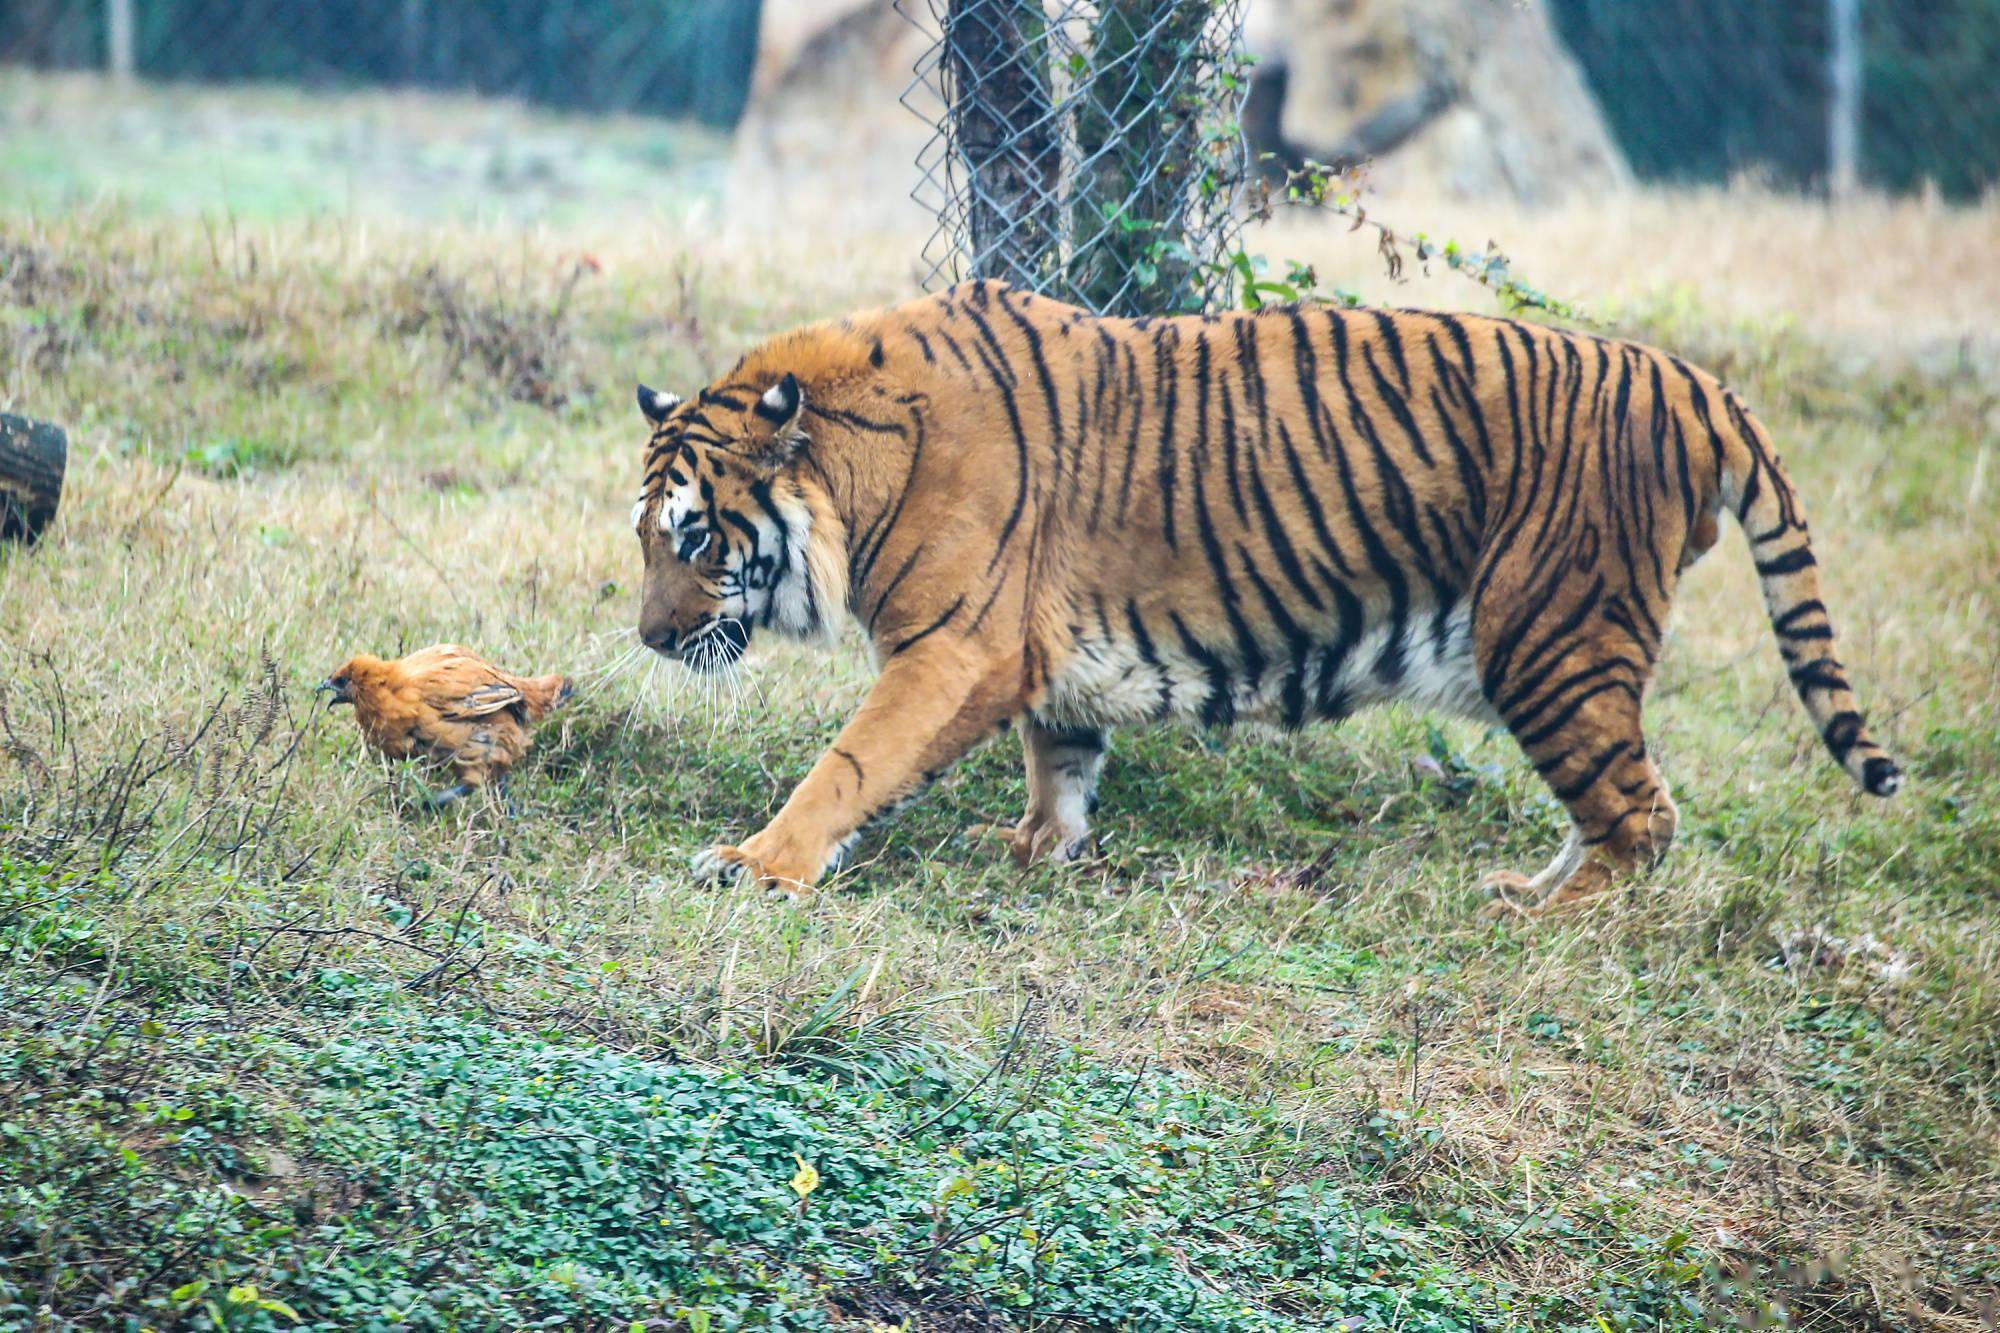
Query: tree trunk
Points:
[1137, 143]
[1001, 119]
[32, 456]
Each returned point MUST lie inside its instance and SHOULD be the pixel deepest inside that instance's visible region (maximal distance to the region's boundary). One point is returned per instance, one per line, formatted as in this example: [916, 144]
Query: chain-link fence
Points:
[1086, 149]
[1089, 148]
[683, 58]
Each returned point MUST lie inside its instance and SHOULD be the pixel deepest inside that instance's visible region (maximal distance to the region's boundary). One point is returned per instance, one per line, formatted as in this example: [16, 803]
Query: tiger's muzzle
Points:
[714, 645]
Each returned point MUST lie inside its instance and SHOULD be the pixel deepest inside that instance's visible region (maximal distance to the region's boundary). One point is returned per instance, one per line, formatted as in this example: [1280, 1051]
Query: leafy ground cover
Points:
[383, 1169]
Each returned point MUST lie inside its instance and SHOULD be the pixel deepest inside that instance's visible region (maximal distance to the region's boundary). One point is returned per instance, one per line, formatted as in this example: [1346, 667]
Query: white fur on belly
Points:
[1109, 683]
[1439, 675]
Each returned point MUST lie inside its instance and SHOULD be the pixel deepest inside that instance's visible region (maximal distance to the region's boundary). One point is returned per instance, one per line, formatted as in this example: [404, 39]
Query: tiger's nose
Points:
[660, 638]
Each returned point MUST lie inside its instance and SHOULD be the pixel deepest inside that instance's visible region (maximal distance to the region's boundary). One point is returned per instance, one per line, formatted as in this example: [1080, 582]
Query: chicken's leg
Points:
[449, 796]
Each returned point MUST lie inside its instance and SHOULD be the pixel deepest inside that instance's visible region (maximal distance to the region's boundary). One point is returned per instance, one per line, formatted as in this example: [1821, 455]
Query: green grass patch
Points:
[375, 1168]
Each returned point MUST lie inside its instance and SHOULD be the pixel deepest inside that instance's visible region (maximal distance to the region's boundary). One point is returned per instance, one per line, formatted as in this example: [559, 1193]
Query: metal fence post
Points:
[118, 39]
[411, 41]
[1843, 111]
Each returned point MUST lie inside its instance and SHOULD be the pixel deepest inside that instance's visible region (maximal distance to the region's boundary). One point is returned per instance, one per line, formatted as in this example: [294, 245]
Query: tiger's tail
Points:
[1760, 495]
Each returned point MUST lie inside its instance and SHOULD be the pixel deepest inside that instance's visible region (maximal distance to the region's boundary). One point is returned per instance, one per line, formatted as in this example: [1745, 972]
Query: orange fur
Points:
[1075, 523]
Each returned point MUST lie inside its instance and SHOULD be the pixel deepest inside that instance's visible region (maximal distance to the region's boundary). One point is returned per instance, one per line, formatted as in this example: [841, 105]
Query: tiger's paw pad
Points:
[1516, 896]
[1079, 847]
[1512, 895]
[1030, 843]
[727, 865]
[720, 865]
[1506, 884]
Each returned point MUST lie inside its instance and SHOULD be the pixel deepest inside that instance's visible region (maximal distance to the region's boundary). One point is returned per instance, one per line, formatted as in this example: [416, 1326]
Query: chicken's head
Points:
[348, 677]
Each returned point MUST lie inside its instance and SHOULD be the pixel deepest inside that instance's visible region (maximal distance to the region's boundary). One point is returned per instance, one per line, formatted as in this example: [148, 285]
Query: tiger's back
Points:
[1285, 515]
[1279, 517]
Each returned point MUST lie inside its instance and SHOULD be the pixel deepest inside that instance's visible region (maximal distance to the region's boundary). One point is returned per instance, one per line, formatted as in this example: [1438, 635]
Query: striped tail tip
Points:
[1881, 777]
[1849, 743]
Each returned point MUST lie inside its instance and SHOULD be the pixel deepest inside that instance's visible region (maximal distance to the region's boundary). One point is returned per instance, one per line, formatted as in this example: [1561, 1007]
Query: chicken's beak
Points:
[338, 689]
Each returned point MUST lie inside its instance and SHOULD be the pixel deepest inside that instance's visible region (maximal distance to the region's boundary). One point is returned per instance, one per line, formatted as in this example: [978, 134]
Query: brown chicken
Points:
[445, 703]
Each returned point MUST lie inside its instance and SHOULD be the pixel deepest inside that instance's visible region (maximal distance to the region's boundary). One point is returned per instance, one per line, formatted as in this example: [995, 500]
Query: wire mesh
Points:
[1089, 150]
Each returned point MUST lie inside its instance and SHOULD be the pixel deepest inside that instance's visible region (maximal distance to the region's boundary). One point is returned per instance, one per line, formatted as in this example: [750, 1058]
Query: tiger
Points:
[1063, 523]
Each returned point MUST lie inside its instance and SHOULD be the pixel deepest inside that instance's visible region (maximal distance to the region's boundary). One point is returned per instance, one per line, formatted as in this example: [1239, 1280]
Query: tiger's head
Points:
[735, 540]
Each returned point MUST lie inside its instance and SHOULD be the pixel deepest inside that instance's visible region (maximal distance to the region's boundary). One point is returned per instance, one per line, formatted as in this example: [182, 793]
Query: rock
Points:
[1479, 97]
[824, 107]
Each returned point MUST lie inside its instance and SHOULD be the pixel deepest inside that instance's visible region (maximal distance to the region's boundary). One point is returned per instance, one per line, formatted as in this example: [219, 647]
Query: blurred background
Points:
[1469, 114]
[1817, 94]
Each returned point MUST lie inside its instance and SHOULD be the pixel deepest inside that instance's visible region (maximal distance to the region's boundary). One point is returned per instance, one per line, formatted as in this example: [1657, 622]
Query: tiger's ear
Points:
[655, 405]
[775, 432]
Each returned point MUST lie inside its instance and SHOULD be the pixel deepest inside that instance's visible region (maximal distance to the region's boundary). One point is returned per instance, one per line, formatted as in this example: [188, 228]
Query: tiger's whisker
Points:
[617, 666]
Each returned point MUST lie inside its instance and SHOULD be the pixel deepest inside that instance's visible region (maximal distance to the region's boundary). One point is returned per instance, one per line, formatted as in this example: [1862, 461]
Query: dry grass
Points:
[1292, 917]
[1870, 276]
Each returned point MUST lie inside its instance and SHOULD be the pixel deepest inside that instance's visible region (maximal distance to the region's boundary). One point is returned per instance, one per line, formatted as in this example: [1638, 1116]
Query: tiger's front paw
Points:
[722, 864]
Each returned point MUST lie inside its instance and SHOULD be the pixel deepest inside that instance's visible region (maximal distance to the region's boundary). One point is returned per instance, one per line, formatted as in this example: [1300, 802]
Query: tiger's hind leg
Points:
[1621, 815]
[1063, 766]
[1573, 704]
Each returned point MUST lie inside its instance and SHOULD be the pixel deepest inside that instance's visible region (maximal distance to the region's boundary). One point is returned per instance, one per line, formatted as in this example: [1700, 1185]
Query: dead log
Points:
[33, 455]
